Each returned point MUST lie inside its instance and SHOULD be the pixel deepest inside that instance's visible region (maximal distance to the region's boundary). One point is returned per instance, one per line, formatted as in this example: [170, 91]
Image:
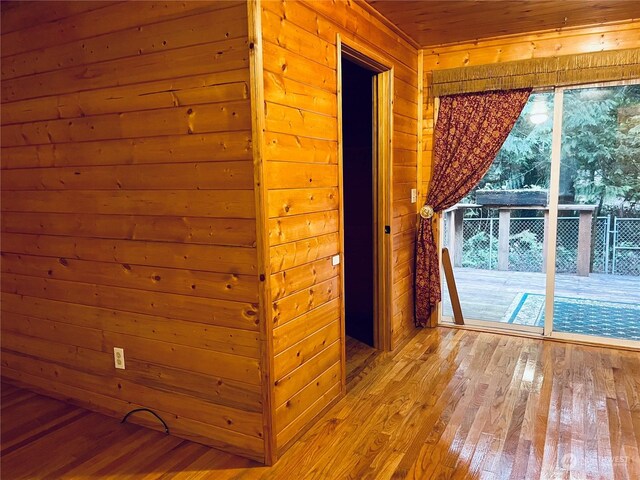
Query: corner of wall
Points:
[262, 235]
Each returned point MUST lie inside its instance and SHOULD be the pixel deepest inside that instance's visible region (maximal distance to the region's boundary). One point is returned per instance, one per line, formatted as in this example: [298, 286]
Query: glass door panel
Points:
[496, 235]
[597, 271]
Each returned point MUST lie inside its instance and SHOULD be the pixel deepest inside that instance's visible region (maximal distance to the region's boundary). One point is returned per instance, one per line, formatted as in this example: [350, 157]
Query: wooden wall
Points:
[128, 212]
[301, 164]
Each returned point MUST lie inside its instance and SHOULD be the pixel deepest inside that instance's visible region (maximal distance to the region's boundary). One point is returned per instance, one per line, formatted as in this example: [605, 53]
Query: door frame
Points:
[382, 176]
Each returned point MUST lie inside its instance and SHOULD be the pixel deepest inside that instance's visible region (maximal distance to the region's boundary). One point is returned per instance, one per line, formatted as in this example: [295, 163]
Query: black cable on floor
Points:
[166, 427]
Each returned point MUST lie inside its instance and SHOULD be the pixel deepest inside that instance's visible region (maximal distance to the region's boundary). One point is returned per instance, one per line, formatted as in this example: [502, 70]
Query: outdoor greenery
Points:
[601, 147]
[600, 165]
[600, 150]
[629, 262]
[479, 252]
[525, 253]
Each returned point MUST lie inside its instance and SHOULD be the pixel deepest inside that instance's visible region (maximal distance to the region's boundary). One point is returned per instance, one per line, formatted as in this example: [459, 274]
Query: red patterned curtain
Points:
[469, 132]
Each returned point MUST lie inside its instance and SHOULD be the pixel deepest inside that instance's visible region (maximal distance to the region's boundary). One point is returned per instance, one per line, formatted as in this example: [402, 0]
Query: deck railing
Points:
[476, 243]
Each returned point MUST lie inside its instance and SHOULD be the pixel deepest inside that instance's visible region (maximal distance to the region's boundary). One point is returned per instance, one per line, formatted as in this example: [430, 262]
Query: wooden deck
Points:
[488, 294]
[450, 403]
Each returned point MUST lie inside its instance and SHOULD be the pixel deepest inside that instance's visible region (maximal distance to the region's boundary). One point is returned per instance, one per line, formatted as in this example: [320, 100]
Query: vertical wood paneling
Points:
[300, 78]
[129, 215]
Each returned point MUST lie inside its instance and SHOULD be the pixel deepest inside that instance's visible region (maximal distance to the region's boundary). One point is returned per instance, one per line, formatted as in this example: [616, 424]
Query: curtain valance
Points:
[539, 72]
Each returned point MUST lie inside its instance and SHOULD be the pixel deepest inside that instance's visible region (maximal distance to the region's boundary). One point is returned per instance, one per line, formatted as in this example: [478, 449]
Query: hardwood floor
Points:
[449, 404]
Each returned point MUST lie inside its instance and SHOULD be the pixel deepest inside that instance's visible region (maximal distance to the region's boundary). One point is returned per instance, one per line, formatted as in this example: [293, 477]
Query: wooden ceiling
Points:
[434, 22]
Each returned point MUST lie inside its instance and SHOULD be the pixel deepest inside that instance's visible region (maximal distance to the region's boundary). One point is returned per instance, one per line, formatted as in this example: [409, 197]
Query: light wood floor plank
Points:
[451, 404]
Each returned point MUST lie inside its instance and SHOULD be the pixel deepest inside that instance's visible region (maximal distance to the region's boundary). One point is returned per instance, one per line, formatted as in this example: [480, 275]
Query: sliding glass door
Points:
[597, 269]
[549, 241]
[496, 235]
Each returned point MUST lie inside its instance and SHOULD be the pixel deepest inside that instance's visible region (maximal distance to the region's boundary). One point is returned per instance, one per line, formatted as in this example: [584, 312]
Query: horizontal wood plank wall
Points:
[129, 212]
[614, 36]
[300, 77]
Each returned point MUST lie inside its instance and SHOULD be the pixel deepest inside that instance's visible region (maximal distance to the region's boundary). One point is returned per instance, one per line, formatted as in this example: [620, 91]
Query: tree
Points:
[601, 146]
[525, 158]
[600, 149]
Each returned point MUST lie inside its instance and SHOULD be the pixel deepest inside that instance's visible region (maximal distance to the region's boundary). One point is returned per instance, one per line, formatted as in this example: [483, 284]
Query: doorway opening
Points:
[358, 194]
[365, 123]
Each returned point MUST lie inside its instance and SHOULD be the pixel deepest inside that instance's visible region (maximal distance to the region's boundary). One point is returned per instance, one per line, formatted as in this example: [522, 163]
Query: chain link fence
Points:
[481, 248]
[567, 245]
[614, 251]
[626, 246]
[601, 247]
[446, 222]
[526, 244]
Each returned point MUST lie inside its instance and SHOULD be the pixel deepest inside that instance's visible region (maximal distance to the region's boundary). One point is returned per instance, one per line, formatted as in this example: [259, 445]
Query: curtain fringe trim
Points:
[538, 72]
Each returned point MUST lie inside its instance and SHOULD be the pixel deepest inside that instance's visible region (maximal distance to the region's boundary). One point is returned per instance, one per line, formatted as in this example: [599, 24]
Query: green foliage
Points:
[600, 150]
[477, 253]
[628, 262]
[525, 252]
[601, 147]
[525, 157]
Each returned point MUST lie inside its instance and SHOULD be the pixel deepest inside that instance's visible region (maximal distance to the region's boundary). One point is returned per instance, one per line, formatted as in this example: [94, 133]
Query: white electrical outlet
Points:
[414, 195]
[335, 260]
[118, 357]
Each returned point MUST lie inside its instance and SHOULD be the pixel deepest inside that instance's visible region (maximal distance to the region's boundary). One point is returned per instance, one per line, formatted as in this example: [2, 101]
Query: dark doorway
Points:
[359, 207]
